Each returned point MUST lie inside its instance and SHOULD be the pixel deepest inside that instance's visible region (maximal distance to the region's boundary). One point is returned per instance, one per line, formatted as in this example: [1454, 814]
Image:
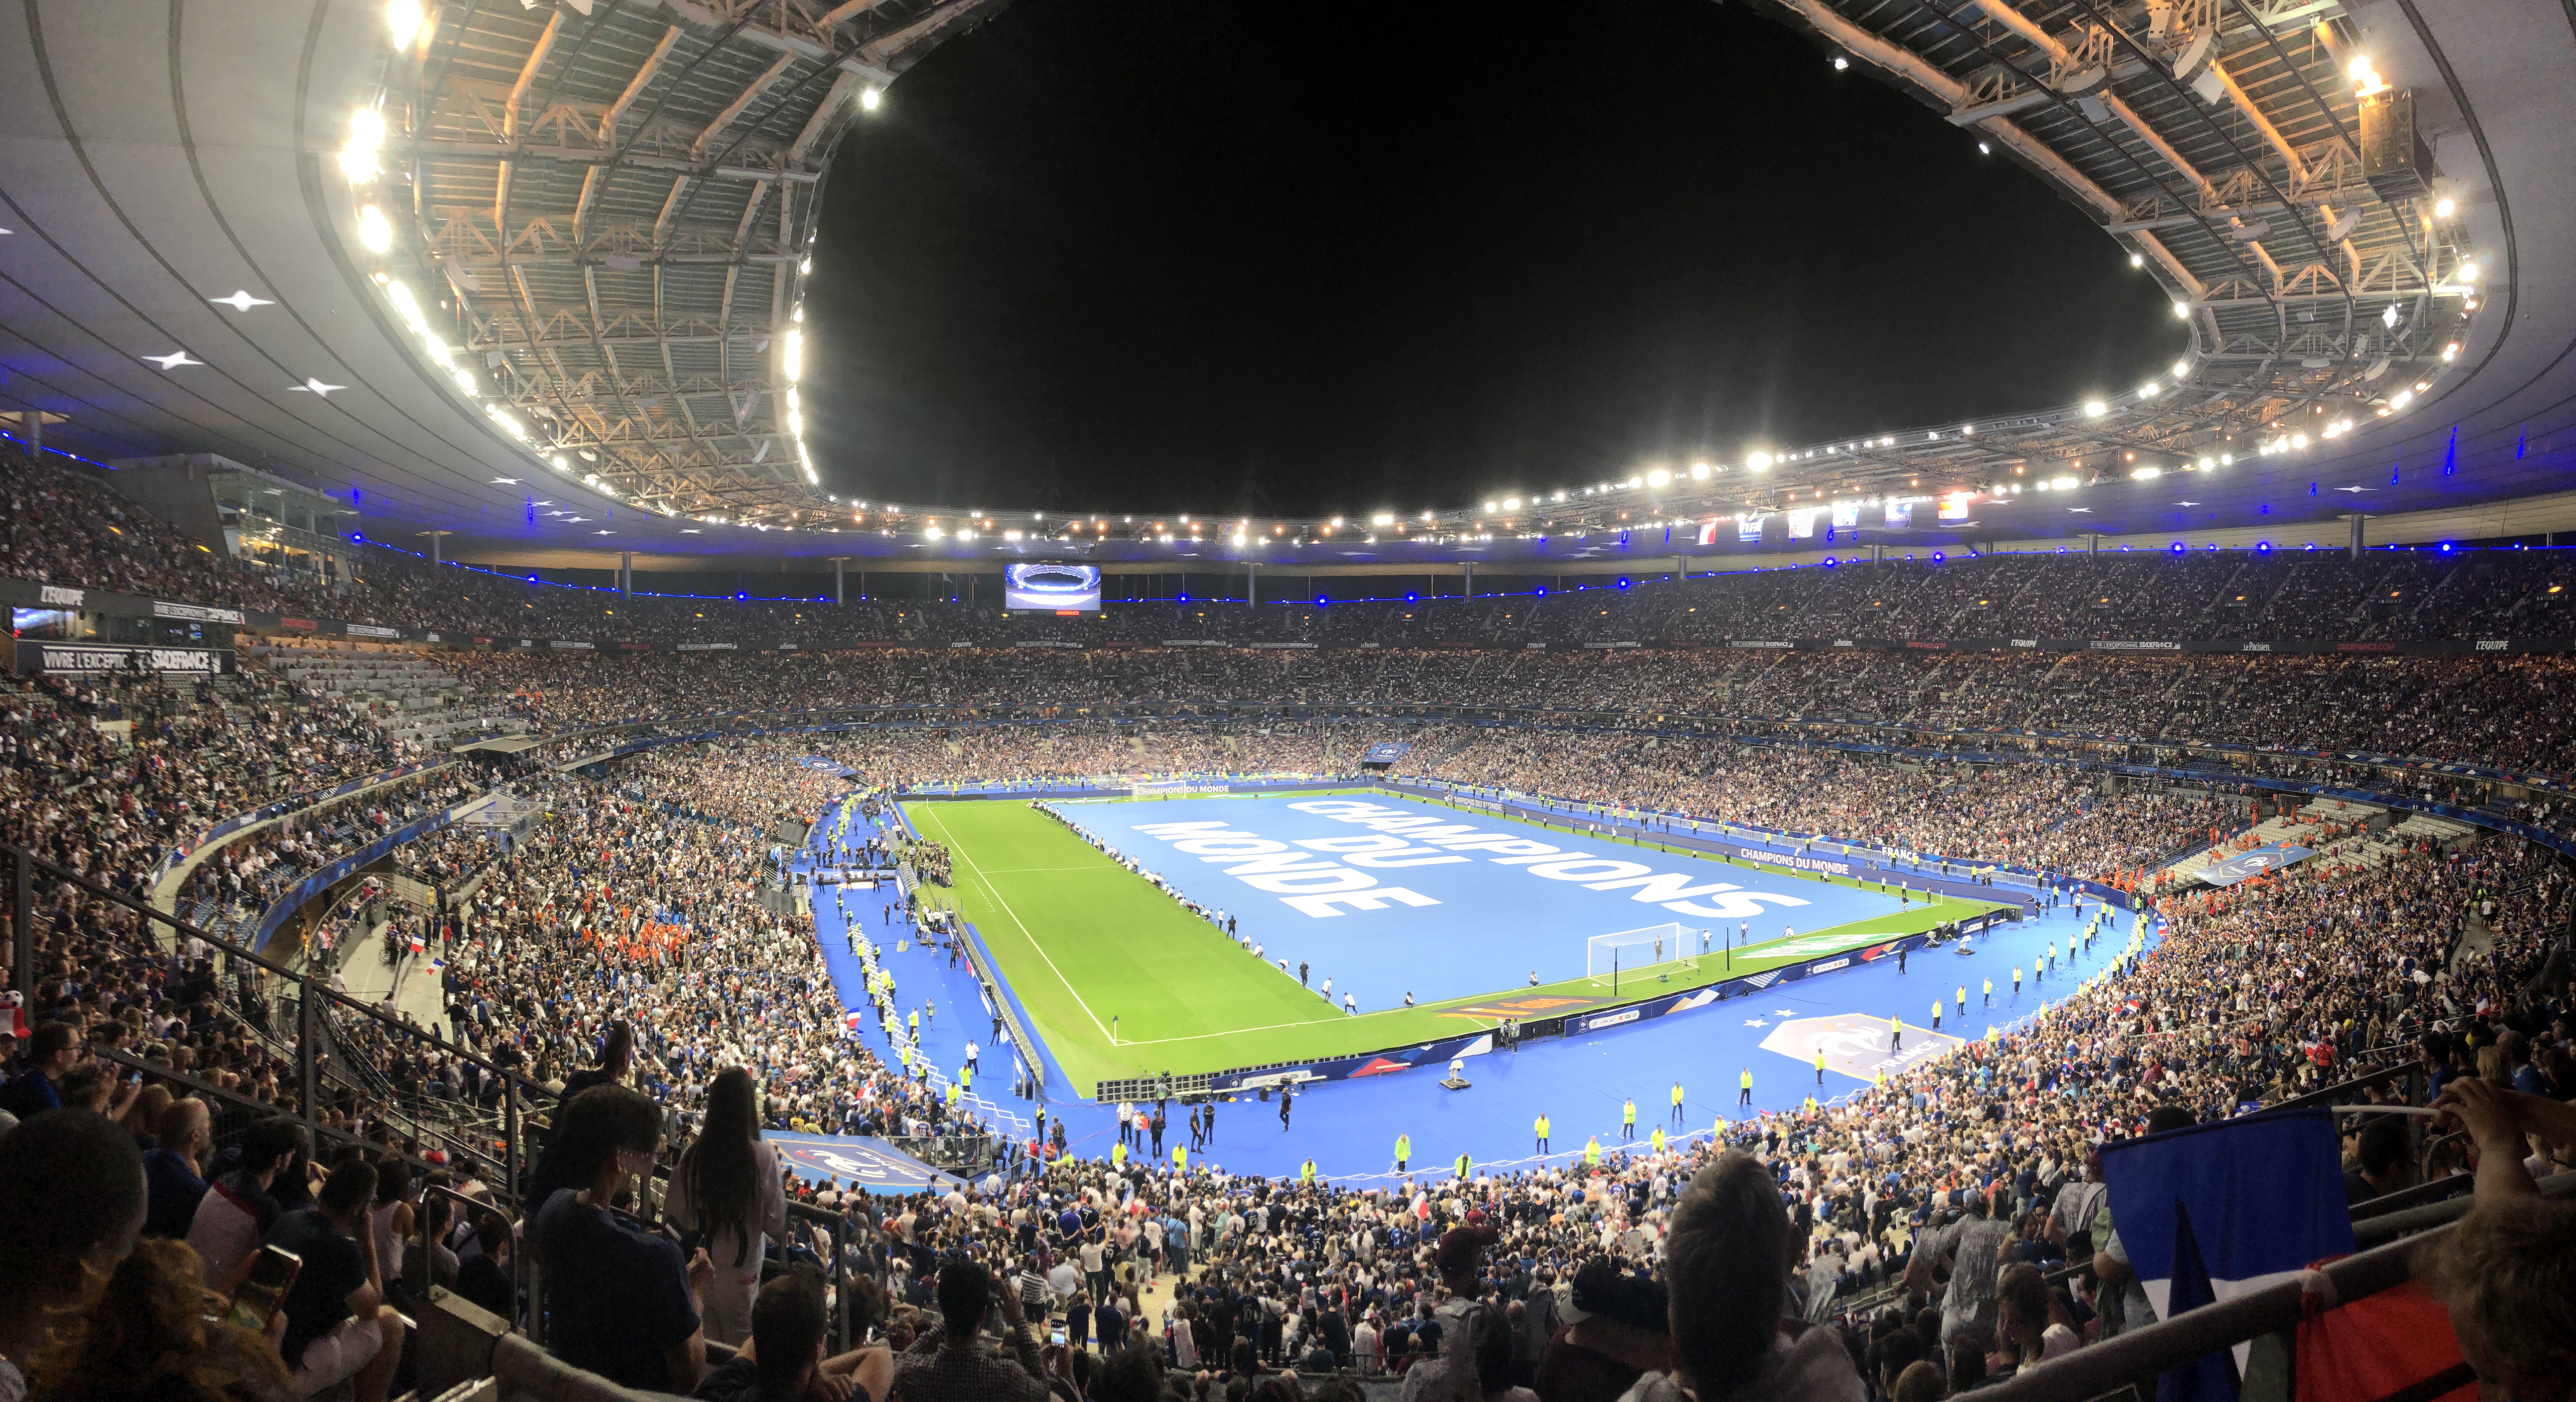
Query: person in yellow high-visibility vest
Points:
[1810, 1106]
[1540, 1128]
[951, 1096]
[966, 1078]
[1628, 1120]
[1180, 1158]
[1963, 1002]
[1306, 1171]
[1656, 1140]
[1895, 1033]
[1464, 1167]
[1118, 1154]
[1744, 1087]
[1592, 1152]
[913, 1023]
[1820, 1063]
[1677, 1103]
[1936, 1014]
[1990, 990]
[1403, 1151]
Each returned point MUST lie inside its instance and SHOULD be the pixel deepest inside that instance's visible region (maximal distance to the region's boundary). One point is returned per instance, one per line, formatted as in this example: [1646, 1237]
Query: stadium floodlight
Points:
[2468, 272]
[2182, 311]
[1658, 477]
[2150, 389]
[2182, 370]
[403, 18]
[791, 356]
[2095, 408]
[871, 98]
[1383, 518]
[1699, 473]
[2366, 81]
[1759, 462]
[1653, 952]
[366, 135]
[2401, 399]
[2443, 208]
[2388, 318]
[2137, 260]
[373, 231]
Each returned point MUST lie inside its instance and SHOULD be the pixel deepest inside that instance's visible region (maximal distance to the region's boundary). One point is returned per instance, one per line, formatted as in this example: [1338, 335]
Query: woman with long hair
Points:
[729, 1191]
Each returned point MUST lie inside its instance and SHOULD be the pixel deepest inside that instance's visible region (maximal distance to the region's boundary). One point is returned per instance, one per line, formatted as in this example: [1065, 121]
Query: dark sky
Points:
[1247, 256]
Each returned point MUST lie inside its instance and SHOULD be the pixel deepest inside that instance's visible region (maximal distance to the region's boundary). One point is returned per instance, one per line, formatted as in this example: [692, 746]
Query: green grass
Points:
[1083, 941]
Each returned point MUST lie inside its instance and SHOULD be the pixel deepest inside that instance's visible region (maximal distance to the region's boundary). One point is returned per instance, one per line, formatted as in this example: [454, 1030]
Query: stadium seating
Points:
[637, 894]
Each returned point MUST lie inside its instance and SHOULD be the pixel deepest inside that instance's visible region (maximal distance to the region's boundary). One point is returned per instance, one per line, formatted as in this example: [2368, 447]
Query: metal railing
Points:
[2389, 1244]
[313, 1003]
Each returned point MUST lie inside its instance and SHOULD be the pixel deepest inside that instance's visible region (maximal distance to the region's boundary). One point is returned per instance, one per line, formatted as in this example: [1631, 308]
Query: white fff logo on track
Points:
[1855, 1045]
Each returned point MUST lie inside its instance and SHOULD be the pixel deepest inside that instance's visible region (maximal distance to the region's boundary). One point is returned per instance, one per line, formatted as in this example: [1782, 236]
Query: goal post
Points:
[1652, 953]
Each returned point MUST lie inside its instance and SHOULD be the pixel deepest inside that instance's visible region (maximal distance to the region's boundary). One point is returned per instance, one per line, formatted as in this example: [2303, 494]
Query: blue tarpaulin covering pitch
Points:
[2255, 863]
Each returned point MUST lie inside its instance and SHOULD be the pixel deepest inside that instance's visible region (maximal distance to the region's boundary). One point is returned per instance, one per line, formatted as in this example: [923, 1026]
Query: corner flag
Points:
[2216, 1211]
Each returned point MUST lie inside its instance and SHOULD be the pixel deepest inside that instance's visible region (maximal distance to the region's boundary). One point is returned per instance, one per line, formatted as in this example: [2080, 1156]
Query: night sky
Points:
[1241, 256]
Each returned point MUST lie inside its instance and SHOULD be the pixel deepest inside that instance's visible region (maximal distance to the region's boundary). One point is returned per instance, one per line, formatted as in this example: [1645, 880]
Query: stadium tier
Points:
[2068, 904]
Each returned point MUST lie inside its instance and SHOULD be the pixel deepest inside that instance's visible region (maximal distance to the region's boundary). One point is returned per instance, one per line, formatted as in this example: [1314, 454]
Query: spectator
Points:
[483, 1276]
[71, 1205]
[954, 1365]
[2031, 1327]
[175, 1168]
[727, 1189]
[338, 1327]
[620, 1300]
[155, 1334]
[1973, 1249]
[783, 1359]
[51, 1054]
[1728, 1259]
[2507, 1274]
[1618, 1334]
[234, 1215]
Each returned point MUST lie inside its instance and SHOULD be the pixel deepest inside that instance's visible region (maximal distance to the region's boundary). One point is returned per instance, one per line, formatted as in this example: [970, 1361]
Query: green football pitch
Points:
[1121, 981]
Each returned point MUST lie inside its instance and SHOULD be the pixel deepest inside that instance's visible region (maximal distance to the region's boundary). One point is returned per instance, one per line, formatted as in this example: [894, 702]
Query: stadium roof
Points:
[570, 320]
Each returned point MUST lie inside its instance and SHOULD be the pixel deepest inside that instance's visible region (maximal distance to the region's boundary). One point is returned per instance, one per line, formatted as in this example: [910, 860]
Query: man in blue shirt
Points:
[51, 1054]
[620, 1301]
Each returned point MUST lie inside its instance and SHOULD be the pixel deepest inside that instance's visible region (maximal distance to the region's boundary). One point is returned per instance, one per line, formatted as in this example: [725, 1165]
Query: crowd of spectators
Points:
[69, 526]
[631, 961]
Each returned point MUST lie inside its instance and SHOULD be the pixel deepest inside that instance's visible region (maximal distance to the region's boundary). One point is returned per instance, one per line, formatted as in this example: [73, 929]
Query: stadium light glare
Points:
[366, 135]
[2095, 408]
[2137, 260]
[2468, 272]
[1658, 477]
[2401, 399]
[2444, 208]
[2181, 371]
[871, 98]
[2366, 81]
[2150, 389]
[403, 18]
[1699, 473]
[1841, 63]
[373, 231]
[1984, 150]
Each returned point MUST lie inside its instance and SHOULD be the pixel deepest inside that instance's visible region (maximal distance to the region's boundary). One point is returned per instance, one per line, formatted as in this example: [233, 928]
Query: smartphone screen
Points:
[272, 1273]
[1055, 1336]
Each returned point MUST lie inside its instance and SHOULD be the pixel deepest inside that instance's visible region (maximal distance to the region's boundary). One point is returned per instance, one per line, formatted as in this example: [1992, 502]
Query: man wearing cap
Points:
[1615, 1332]
[1462, 1318]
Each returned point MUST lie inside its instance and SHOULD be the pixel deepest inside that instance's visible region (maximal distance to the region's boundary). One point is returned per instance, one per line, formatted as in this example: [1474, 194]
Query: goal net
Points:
[1652, 954]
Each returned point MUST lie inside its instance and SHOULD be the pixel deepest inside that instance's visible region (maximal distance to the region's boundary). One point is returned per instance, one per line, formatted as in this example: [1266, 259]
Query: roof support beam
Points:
[749, 95]
[510, 109]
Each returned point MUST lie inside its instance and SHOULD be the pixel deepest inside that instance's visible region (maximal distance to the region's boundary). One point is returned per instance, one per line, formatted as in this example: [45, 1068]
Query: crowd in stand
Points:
[631, 962]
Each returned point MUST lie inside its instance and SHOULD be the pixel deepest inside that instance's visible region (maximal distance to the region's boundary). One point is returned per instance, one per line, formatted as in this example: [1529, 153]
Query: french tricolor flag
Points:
[2214, 1211]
